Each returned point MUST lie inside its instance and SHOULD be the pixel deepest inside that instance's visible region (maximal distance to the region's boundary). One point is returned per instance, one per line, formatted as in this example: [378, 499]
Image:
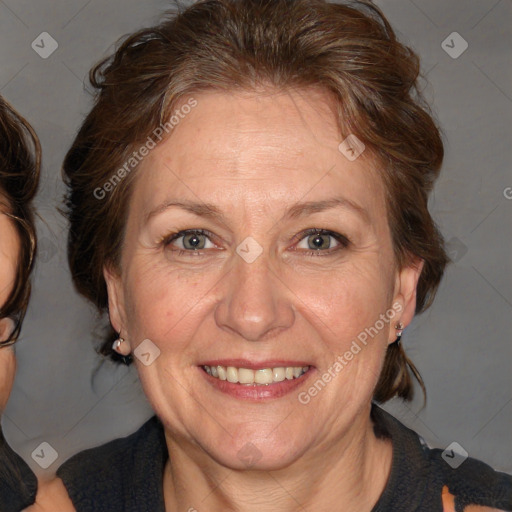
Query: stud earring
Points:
[399, 330]
[117, 344]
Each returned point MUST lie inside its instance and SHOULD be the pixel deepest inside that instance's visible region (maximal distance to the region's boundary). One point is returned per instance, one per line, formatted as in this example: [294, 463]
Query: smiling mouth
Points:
[261, 377]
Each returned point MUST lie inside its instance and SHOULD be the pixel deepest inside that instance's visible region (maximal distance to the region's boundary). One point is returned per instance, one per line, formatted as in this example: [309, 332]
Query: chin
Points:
[252, 452]
[250, 458]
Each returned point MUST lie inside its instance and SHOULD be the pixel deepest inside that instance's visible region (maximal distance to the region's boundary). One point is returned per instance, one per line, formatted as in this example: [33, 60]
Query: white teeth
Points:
[245, 376]
[279, 374]
[221, 372]
[263, 376]
[232, 374]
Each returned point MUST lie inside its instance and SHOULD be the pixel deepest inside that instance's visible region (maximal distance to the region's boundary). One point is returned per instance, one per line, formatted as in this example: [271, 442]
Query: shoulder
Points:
[18, 484]
[474, 484]
[109, 476]
[449, 504]
[429, 478]
[118, 451]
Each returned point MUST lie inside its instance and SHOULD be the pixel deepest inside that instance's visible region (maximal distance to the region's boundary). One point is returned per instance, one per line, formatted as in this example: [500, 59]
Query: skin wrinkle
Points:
[283, 305]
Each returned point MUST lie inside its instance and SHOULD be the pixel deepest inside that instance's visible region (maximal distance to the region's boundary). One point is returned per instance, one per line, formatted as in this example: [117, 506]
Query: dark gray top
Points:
[18, 484]
[126, 474]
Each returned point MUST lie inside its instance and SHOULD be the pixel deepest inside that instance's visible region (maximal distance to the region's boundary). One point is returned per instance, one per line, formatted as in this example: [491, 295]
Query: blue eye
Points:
[190, 240]
[321, 240]
[311, 241]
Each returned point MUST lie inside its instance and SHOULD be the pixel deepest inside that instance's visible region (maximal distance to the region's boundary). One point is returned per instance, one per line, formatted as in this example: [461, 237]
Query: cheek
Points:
[7, 371]
[348, 300]
[9, 252]
[160, 301]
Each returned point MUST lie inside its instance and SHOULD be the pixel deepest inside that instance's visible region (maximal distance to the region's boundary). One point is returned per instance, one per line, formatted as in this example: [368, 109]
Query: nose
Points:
[255, 304]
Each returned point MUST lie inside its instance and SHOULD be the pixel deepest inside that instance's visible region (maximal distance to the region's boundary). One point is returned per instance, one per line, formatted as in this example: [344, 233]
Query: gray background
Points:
[66, 396]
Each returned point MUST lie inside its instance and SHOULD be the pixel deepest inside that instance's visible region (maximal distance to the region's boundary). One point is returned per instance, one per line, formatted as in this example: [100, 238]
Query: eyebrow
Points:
[310, 207]
[199, 209]
[294, 212]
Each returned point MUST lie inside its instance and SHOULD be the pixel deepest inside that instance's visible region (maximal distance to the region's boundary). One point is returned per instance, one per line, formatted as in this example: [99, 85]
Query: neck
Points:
[351, 470]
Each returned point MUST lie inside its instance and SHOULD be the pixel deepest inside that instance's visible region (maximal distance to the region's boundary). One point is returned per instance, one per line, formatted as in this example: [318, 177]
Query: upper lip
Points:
[254, 365]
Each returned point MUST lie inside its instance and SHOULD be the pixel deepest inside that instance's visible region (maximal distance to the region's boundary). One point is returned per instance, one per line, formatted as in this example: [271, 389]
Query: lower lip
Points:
[257, 393]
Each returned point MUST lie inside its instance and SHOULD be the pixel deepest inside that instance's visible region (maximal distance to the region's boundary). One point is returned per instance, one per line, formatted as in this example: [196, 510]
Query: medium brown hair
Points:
[349, 50]
[20, 158]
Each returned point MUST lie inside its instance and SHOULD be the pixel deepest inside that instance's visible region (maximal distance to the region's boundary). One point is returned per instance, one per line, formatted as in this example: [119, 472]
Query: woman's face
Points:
[286, 262]
[9, 247]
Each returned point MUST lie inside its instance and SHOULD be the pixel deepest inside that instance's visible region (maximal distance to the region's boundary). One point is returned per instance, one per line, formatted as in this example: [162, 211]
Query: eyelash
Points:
[343, 241]
[174, 236]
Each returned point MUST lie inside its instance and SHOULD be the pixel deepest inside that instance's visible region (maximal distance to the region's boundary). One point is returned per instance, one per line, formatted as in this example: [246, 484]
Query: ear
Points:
[7, 326]
[116, 308]
[405, 295]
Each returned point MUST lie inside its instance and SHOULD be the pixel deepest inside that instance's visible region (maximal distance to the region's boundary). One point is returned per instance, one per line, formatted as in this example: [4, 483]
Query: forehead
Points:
[257, 147]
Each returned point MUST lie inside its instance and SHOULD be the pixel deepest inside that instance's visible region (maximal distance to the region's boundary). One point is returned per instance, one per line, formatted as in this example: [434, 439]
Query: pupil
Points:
[318, 241]
[192, 242]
